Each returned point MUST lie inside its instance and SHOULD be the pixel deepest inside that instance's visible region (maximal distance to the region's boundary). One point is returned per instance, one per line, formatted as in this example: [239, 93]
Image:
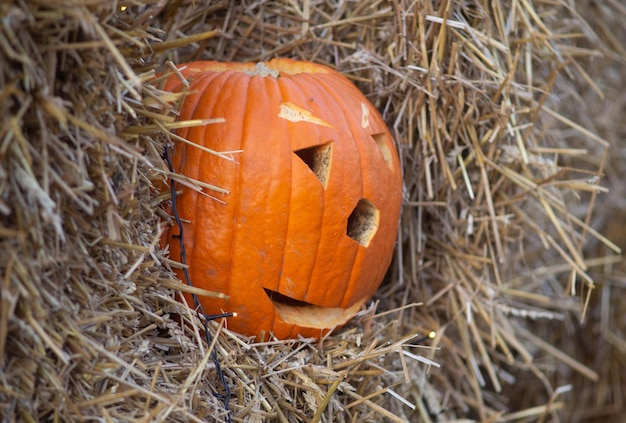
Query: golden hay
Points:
[504, 114]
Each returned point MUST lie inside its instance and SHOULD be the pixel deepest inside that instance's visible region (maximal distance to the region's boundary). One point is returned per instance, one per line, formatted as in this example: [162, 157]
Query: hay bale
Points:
[499, 252]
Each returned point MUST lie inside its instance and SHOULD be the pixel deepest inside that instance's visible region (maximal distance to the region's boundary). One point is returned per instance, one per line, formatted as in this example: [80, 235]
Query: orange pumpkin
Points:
[306, 233]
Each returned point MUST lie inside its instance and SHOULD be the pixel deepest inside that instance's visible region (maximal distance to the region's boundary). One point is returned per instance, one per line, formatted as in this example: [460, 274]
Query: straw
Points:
[505, 299]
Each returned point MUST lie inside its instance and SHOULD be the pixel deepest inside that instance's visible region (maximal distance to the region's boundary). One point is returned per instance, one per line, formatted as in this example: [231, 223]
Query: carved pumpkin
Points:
[306, 233]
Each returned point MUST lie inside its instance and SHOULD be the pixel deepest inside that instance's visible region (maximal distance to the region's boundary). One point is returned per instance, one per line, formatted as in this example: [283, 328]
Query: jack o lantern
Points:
[306, 232]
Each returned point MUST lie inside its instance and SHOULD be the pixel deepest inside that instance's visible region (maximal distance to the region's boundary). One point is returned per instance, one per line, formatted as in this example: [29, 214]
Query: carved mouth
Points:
[304, 314]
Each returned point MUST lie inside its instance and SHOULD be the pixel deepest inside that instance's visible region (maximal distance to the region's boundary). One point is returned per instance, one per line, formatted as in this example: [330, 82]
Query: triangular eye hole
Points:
[381, 142]
[363, 222]
[319, 159]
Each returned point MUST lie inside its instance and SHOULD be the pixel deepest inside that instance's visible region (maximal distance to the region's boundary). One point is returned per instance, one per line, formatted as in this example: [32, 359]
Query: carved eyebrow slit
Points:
[381, 143]
[295, 113]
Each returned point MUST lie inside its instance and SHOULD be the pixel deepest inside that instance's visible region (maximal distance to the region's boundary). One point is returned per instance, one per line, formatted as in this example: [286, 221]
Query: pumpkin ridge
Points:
[240, 177]
[355, 128]
[382, 229]
[331, 90]
[217, 90]
[285, 90]
[276, 82]
[213, 89]
[263, 94]
[237, 180]
[186, 162]
[306, 93]
[194, 94]
[347, 293]
[192, 169]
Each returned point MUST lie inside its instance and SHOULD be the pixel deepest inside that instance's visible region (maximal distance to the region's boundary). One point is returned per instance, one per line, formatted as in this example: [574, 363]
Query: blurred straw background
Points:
[510, 121]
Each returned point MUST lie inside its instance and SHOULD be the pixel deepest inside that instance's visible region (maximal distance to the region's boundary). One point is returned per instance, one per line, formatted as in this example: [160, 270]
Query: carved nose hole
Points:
[363, 222]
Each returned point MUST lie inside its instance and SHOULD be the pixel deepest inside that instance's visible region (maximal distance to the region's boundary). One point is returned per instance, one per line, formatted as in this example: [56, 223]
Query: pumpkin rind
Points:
[314, 195]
